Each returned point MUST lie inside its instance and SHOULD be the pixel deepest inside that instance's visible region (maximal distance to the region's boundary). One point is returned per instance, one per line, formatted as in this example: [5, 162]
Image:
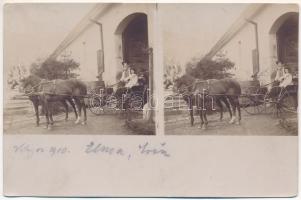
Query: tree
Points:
[204, 69]
[54, 69]
[15, 75]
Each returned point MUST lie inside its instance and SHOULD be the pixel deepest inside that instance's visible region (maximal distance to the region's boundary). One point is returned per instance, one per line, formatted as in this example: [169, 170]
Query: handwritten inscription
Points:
[30, 150]
[105, 149]
[144, 149]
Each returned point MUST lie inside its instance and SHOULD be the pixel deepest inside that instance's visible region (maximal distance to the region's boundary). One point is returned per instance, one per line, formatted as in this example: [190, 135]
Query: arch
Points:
[124, 23]
[287, 16]
[132, 41]
[284, 40]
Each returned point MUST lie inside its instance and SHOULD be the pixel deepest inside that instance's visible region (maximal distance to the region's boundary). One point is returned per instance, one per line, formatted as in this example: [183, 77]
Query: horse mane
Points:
[31, 80]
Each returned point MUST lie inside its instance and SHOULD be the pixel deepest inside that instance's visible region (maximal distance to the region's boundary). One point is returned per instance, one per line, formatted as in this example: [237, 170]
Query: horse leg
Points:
[205, 120]
[191, 113]
[36, 110]
[219, 104]
[66, 108]
[85, 112]
[225, 100]
[201, 118]
[238, 109]
[233, 105]
[78, 105]
[46, 110]
[73, 106]
[50, 113]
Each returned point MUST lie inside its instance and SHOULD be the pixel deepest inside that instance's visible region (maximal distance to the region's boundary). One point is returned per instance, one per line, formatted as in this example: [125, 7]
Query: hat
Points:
[124, 62]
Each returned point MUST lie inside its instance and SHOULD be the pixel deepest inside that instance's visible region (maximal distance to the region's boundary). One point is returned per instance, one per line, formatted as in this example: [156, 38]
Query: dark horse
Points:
[203, 93]
[31, 88]
[47, 92]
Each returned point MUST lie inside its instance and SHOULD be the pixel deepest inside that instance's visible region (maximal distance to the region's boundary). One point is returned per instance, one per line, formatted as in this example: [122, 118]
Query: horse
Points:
[30, 86]
[57, 90]
[202, 93]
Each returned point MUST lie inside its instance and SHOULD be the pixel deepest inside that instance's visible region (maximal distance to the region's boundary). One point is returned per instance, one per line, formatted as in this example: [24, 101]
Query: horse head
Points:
[30, 84]
[183, 84]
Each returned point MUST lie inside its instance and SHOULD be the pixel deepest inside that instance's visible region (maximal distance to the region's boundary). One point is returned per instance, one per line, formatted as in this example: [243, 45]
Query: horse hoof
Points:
[76, 122]
[204, 127]
[49, 128]
[231, 121]
[199, 127]
[84, 123]
[237, 123]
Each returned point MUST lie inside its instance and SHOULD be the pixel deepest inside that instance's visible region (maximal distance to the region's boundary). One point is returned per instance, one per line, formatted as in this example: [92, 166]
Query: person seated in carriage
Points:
[128, 80]
[283, 80]
[132, 79]
[279, 73]
[125, 73]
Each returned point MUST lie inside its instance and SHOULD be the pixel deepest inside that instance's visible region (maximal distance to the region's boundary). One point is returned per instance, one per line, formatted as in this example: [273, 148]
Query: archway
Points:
[133, 41]
[285, 34]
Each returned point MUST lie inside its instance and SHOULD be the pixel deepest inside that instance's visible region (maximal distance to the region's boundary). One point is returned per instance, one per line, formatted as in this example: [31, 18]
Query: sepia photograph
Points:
[117, 99]
[235, 74]
[71, 64]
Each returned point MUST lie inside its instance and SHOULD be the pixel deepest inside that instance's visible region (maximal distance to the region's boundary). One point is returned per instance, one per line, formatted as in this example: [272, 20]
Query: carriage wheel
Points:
[96, 105]
[288, 103]
[136, 102]
[253, 104]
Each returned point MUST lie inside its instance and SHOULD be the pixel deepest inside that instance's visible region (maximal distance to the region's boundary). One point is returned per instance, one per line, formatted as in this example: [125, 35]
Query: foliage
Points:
[172, 72]
[15, 75]
[204, 69]
[51, 69]
[55, 69]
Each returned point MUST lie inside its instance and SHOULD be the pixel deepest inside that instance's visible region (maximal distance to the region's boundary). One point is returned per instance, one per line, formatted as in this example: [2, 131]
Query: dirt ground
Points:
[251, 125]
[103, 125]
[175, 124]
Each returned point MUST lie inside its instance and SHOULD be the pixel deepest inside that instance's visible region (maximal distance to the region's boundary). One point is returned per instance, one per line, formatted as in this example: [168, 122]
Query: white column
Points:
[158, 71]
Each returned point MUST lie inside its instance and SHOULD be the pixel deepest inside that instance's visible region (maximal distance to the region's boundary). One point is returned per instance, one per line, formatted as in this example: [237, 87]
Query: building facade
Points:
[263, 34]
[112, 33]
[108, 35]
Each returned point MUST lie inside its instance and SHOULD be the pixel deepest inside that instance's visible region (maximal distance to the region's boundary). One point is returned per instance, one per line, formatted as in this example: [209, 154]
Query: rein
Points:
[32, 90]
[198, 81]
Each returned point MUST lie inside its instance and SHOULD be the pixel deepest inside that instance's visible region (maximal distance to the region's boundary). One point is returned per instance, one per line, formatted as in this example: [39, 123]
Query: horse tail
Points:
[81, 86]
[234, 84]
[238, 87]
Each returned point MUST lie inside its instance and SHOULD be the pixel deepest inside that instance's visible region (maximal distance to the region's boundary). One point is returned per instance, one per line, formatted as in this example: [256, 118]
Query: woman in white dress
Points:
[132, 79]
[286, 79]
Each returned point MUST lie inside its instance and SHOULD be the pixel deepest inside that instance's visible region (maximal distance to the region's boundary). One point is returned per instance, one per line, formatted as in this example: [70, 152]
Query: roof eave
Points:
[95, 13]
[249, 13]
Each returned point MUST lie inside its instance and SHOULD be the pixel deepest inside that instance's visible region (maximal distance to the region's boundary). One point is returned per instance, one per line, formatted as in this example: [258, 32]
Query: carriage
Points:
[251, 96]
[104, 100]
[255, 99]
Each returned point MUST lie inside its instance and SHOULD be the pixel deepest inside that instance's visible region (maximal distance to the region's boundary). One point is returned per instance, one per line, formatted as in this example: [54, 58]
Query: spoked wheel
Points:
[136, 102]
[289, 103]
[96, 105]
[253, 104]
